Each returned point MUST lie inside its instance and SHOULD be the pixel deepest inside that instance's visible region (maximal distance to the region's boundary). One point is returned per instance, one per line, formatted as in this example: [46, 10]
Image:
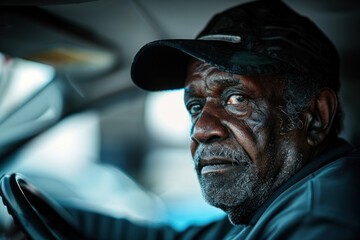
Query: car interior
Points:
[74, 125]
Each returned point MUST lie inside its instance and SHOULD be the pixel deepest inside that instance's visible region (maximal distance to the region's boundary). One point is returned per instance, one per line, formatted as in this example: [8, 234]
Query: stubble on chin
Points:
[240, 193]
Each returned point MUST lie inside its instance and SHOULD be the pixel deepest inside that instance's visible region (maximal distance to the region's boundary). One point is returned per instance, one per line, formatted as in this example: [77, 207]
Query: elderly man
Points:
[261, 86]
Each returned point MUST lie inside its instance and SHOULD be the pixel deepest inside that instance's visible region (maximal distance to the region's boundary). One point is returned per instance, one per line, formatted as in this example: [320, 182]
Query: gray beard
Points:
[242, 193]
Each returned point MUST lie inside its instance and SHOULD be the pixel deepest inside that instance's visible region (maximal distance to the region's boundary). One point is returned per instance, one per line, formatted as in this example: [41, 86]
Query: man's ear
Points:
[320, 116]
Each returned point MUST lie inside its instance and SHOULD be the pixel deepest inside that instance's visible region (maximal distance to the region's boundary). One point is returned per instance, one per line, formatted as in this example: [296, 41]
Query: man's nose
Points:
[209, 127]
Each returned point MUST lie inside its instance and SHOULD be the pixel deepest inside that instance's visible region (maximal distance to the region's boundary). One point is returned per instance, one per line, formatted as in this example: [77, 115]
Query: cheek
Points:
[244, 135]
[253, 135]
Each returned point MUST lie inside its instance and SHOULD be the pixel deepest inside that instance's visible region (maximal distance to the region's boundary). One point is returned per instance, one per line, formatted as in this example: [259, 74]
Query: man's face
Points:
[240, 149]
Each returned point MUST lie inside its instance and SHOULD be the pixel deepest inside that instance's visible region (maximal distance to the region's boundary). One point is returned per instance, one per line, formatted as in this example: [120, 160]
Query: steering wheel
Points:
[40, 217]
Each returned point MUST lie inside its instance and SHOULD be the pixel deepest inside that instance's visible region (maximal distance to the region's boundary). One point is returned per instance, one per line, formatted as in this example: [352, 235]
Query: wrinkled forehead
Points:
[208, 76]
[203, 77]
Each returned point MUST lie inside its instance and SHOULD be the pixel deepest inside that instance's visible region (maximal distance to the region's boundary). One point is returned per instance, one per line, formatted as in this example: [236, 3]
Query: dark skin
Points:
[242, 114]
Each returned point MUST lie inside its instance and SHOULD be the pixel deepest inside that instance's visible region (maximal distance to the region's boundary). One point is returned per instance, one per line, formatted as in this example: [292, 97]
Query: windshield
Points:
[20, 80]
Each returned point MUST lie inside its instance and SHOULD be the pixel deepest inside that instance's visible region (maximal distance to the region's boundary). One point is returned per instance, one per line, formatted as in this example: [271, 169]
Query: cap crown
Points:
[272, 29]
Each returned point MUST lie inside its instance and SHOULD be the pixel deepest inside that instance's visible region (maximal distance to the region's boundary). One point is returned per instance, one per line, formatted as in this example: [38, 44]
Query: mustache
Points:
[206, 151]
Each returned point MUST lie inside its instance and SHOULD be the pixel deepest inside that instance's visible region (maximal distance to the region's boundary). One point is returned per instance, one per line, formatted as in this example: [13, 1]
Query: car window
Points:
[19, 81]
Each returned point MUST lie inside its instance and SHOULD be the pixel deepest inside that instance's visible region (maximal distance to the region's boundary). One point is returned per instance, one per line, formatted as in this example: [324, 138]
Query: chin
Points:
[237, 215]
[238, 193]
[239, 196]
[238, 212]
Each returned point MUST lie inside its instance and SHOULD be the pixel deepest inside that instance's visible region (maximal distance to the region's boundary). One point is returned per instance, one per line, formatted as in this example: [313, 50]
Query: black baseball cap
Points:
[257, 38]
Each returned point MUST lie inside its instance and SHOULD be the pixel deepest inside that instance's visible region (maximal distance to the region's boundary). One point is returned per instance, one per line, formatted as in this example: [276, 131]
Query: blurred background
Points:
[74, 123]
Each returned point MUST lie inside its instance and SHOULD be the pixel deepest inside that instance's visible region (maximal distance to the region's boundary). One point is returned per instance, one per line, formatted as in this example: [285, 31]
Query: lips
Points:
[215, 165]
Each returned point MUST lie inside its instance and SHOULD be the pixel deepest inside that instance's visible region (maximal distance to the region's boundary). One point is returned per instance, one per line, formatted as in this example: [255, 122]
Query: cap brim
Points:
[162, 65]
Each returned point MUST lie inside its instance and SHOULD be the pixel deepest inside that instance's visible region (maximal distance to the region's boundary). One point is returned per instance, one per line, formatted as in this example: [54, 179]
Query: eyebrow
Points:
[215, 80]
[224, 81]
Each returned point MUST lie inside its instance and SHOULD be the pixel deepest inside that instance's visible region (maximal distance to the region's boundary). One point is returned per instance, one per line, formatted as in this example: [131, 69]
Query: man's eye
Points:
[236, 99]
[195, 109]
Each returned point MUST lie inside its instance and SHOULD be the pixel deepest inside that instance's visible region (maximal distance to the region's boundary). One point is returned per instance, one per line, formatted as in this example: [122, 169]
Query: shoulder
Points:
[324, 203]
[335, 187]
